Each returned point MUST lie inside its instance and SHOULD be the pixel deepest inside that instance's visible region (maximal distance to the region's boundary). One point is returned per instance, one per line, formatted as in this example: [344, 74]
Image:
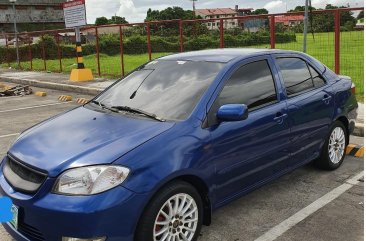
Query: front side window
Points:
[252, 85]
[296, 75]
[168, 89]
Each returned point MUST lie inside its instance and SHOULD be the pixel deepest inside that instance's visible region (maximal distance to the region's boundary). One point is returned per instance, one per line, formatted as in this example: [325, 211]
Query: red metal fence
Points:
[114, 50]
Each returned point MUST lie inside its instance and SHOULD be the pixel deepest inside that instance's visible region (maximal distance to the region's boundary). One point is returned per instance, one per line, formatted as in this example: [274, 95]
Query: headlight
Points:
[90, 180]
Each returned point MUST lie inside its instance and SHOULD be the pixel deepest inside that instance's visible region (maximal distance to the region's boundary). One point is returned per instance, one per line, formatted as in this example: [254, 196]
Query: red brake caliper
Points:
[159, 227]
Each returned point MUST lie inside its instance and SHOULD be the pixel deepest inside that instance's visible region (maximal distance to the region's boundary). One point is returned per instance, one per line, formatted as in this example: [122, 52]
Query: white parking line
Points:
[287, 224]
[36, 106]
[4, 136]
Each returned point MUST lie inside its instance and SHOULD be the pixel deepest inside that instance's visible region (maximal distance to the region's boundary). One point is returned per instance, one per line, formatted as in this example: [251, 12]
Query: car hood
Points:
[83, 137]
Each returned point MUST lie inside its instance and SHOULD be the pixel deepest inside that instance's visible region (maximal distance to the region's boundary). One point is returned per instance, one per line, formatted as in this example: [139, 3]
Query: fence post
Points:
[272, 28]
[148, 40]
[121, 49]
[59, 50]
[181, 35]
[337, 23]
[97, 48]
[44, 53]
[30, 53]
[222, 33]
[7, 50]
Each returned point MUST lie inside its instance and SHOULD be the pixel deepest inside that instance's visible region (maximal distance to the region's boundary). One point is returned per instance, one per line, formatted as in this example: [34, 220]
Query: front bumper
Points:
[46, 216]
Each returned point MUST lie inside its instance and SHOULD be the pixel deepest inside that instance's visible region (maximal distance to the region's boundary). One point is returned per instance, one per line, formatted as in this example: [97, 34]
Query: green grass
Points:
[351, 54]
[109, 65]
[321, 47]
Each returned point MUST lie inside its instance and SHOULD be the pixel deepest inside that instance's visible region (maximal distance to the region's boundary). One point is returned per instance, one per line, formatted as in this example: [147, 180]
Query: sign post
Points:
[75, 17]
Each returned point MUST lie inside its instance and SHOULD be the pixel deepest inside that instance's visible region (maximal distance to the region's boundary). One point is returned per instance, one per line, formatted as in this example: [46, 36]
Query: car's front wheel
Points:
[174, 214]
[334, 149]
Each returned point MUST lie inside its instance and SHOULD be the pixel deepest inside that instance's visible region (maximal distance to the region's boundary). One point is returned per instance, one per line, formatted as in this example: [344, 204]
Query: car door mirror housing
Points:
[232, 112]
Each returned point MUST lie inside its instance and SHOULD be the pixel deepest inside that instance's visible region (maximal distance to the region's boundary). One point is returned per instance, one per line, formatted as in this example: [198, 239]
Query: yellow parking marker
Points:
[350, 148]
[82, 101]
[65, 98]
[4, 86]
[40, 94]
[359, 153]
[354, 150]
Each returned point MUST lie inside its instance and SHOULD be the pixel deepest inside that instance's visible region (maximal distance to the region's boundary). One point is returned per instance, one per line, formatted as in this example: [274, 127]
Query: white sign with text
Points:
[75, 14]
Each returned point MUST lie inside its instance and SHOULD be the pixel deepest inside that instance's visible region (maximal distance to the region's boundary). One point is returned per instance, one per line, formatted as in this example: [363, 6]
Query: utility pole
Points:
[15, 31]
[194, 8]
[306, 18]
[194, 16]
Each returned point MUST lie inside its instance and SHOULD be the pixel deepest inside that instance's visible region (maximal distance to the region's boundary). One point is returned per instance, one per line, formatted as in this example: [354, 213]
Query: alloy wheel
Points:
[177, 219]
[337, 144]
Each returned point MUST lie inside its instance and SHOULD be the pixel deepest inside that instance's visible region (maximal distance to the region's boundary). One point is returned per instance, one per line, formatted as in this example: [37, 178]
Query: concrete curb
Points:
[358, 131]
[54, 86]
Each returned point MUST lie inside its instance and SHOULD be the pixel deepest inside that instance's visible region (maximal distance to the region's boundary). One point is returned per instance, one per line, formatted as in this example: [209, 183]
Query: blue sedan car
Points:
[152, 156]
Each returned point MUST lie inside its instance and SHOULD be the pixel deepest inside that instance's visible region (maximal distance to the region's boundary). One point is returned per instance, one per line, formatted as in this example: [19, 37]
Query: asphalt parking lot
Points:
[307, 204]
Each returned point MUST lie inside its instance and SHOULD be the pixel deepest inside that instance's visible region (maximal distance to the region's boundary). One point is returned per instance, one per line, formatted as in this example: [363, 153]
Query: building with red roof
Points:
[290, 20]
[215, 14]
[252, 25]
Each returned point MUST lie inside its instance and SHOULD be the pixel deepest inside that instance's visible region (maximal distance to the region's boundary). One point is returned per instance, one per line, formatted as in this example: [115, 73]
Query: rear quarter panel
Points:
[345, 102]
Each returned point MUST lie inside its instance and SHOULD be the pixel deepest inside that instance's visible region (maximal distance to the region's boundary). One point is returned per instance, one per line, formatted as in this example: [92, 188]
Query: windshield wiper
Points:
[103, 106]
[138, 111]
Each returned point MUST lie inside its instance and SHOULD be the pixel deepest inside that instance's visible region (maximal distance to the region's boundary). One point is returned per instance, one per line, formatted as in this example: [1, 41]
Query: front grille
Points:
[21, 177]
[30, 232]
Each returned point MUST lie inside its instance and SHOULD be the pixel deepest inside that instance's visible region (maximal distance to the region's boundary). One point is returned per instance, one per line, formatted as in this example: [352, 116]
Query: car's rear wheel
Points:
[334, 149]
[174, 214]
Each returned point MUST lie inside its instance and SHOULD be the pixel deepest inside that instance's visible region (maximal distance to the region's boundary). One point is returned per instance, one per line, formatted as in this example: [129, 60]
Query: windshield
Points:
[168, 89]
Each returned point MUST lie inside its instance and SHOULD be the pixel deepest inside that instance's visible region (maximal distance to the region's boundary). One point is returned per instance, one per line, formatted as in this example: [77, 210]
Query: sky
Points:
[135, 10]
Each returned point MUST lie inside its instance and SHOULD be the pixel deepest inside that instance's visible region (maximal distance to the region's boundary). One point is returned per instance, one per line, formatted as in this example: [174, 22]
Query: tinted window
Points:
[169, 89]
[317, 63]
[251, 84]
[317, 78]
[295, 74]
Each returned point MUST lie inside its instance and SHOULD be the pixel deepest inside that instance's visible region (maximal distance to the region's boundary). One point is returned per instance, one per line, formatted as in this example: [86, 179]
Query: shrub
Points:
[109, 44]
[137, 44]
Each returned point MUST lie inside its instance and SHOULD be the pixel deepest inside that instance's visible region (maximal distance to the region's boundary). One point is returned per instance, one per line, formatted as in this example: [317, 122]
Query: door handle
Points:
[280, 117]
[327, 98]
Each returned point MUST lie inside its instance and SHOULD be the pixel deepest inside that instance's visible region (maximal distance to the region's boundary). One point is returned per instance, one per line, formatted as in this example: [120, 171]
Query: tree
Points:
[260, 11]
[117, 20]
[346, 16]
[101, 21]
[324, 22]
[168, 14]
[360, 15]
[172, 28]
[113, 20]
[300, 9]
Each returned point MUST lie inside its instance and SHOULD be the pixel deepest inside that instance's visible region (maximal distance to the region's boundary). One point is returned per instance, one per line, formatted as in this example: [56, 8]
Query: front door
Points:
[248, 152]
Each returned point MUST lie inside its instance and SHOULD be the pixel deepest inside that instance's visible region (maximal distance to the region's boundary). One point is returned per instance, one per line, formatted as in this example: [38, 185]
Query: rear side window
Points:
[296, 75]
[317, 78]
[251, 84]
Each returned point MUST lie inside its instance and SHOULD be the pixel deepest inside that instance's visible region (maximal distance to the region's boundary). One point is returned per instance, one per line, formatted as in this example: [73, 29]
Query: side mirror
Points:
[232, 112]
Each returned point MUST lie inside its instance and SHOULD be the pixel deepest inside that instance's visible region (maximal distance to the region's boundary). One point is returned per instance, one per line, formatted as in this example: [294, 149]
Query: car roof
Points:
[221, 55]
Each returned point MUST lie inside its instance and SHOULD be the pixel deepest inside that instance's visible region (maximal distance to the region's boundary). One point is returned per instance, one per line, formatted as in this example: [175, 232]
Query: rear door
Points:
[310, 107]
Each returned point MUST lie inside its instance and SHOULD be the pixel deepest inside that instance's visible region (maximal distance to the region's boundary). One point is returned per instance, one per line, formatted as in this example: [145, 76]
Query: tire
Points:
[159, 221]
[334, 148]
